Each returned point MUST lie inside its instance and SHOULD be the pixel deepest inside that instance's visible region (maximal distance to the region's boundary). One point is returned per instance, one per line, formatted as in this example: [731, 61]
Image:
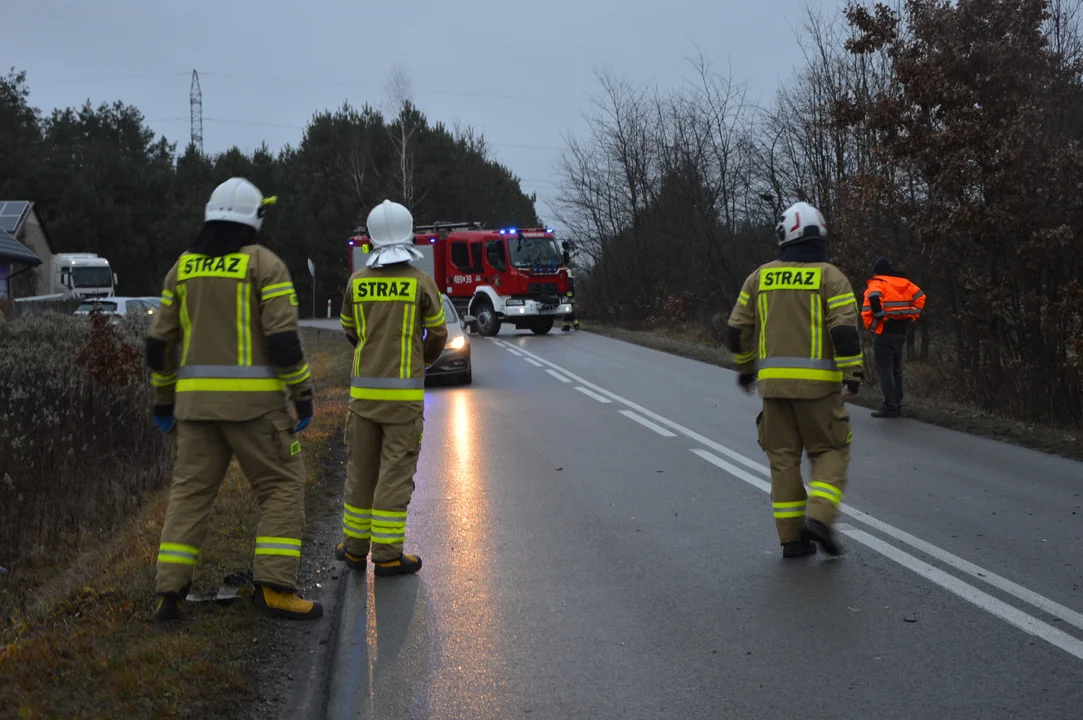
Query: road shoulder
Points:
[1053, 441]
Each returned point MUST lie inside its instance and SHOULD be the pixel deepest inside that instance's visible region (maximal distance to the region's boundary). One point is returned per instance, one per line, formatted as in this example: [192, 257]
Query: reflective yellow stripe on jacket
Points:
[814, 366]
[405, 387]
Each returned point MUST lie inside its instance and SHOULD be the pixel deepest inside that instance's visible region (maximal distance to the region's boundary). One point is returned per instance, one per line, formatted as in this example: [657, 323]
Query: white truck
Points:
[78, 275]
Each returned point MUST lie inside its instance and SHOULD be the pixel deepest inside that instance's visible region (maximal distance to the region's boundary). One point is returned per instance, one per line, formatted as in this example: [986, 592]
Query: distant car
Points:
[118, 307]
[454, 361]
[155, 301]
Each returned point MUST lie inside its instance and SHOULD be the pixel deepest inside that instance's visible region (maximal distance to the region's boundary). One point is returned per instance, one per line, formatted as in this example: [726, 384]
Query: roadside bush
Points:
[78, 452]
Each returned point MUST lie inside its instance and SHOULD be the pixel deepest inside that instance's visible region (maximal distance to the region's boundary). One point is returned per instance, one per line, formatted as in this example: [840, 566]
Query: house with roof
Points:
[24, 248]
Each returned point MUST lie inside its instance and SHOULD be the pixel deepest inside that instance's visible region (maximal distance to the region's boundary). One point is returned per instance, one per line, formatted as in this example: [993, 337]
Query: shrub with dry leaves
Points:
[78, 450]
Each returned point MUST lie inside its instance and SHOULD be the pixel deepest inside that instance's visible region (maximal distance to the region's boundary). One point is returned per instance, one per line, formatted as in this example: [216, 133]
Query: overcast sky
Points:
[520, 72]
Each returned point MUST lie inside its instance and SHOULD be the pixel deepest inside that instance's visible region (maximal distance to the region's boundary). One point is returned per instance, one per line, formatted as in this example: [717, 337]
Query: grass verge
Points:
[87, 648]
[921, 401]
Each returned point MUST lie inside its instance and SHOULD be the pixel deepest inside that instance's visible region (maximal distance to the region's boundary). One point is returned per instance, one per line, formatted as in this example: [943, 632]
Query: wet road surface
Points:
[598, 543]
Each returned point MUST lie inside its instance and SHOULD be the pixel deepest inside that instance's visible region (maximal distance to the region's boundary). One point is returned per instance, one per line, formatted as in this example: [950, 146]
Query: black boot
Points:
[798, 548]
[821, 533]
[887, 413]
[169, 604]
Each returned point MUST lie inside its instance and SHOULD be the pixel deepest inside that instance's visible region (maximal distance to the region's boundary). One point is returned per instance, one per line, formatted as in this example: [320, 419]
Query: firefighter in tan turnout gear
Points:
[229, 310]
[794, 329]
[393, 315]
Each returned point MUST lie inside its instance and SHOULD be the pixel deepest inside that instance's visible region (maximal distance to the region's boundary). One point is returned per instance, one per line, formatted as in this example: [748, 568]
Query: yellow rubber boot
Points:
[285, 604]
[402, 565]
[353, 562]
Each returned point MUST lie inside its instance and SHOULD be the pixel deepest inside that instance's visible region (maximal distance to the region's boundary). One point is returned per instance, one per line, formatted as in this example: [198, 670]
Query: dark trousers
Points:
[887, 352]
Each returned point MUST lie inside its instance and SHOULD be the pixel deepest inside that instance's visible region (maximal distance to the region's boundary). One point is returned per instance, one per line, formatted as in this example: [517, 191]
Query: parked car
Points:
[156, 301]
[118, 307]
[454, 361]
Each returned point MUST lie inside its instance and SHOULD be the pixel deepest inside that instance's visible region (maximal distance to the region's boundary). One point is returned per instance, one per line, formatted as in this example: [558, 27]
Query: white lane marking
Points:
[592, 394]
[1019, 592]
[533, 362]
[734, 471]
[968, 592]
[558, 376]
[513, 351]
[647, 423]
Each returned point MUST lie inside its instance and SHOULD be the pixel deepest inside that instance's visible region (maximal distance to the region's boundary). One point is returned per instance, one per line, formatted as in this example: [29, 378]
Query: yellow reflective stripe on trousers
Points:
[276, 290]
[816, 327]
[762, 304]
[789, 509]
[823, 490]
[297, 377]
[288, 547]
[356, 522]
[185, 322]
[388, 527]
[178, 554]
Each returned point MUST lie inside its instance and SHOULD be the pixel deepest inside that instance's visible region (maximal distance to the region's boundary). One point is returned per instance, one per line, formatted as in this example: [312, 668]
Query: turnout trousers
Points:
[820, 427]
[269, 454]
[381, 462]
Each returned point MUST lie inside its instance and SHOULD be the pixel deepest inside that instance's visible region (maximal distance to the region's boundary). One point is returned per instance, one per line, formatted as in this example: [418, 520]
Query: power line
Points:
[370, 88]
[257, 123]
[83, 81]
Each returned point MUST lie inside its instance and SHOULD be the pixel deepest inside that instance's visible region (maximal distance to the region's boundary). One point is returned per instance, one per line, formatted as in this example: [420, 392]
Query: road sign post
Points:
[312, 272]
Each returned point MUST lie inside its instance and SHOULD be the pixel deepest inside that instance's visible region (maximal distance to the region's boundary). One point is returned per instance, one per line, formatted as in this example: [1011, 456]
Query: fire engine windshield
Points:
[534, 252]
[91, 277]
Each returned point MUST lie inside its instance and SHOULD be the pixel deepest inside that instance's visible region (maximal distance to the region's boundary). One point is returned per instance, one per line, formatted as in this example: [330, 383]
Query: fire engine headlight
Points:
[457, 343]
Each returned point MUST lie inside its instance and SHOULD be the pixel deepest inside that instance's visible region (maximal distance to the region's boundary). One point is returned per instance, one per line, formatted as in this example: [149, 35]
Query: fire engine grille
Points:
[542, 288]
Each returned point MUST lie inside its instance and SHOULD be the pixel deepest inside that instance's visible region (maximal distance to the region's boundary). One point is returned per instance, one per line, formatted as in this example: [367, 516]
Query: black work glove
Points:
[745, 380]
[305, 411]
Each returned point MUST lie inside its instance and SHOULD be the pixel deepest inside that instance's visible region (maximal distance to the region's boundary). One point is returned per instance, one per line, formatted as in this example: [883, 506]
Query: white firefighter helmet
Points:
[237, 200]
[799, 222]
[391, 229]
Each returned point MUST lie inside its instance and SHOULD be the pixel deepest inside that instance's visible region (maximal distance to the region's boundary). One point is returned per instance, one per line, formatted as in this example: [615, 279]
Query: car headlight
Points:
[457, 343]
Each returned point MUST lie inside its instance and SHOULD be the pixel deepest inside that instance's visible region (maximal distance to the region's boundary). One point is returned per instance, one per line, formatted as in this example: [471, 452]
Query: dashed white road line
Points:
[513, 351]
[591, 394]
[647, 423]
[558, 376]
[959, 587]
[983, 600]
[533, 362]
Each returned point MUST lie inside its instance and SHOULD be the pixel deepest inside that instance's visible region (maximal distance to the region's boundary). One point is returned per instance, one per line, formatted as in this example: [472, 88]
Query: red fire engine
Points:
[510, 275]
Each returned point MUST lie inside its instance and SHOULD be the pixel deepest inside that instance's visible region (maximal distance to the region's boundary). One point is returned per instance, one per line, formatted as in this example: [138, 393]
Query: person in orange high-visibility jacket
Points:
[892, 303]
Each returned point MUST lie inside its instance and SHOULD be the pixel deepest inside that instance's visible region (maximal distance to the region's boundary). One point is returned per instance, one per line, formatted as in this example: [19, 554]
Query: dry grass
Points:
[927, 396]
[88, 649]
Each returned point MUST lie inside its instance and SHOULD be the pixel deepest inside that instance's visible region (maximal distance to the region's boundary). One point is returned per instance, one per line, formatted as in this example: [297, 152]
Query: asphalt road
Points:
[598, 543]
